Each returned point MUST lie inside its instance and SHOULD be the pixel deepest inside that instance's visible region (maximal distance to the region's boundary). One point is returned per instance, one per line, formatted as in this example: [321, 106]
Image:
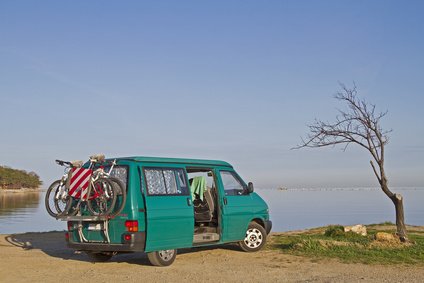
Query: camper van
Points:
[172, 204]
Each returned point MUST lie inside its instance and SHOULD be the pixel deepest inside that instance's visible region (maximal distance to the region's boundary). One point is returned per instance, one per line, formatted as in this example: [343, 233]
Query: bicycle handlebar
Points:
[98, 158]
[63, 163]
[77, 163]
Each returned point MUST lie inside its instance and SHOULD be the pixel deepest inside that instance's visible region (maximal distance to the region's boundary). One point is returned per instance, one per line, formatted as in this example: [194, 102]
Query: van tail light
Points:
[131, 225]
[70, 226]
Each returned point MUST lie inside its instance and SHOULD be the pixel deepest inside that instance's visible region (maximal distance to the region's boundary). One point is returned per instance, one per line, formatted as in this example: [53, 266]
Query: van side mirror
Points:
[250, 187]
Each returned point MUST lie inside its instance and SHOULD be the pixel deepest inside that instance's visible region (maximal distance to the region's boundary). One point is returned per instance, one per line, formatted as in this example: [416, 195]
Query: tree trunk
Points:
[397, 200]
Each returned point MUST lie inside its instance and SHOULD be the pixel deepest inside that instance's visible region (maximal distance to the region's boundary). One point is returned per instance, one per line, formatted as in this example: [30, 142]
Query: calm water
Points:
[290, 209]
[25, 212]
[299, 209]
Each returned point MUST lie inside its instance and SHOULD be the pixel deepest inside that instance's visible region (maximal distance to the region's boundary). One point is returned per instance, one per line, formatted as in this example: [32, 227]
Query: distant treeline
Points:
[18, 179]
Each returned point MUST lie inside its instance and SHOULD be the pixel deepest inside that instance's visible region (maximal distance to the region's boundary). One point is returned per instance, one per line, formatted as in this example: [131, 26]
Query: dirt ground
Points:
[44, 257]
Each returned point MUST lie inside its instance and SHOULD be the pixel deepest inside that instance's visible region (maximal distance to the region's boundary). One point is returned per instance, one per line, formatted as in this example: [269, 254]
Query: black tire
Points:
[162, 258]
[121, 196]
[61, 203]
[255, 238]
[50, 199]
[71, 206]
[99, 256]
[101, 197]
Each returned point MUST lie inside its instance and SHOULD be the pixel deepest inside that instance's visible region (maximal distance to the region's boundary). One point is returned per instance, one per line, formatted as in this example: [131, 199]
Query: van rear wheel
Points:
[99, 257]
[255, 238]
[162, 258]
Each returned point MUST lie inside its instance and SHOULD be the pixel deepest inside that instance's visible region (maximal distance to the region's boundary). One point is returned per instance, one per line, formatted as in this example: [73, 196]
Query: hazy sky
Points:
[230, 80]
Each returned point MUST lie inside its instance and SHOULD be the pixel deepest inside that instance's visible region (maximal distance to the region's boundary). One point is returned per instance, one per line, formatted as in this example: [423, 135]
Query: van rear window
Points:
[166, 181]
[119, 172]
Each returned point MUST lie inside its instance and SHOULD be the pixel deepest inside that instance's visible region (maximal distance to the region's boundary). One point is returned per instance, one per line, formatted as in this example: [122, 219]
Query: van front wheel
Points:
[162, 258]
[255, 238]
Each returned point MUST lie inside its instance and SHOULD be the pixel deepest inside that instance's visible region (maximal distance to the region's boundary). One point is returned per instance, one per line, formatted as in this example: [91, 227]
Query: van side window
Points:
[170, 182]
[164, 181]
[182, 179]
[155, 182]
[232, 185]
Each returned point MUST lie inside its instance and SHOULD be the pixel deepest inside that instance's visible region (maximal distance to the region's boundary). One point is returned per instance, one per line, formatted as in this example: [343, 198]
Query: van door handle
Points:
[188, 201]
[225, 201]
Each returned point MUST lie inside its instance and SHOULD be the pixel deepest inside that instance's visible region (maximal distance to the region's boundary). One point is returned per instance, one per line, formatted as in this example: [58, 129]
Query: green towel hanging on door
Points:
[198, 186]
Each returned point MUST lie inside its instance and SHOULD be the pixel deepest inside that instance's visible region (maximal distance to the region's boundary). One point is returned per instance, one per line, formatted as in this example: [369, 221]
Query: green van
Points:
[171, 204]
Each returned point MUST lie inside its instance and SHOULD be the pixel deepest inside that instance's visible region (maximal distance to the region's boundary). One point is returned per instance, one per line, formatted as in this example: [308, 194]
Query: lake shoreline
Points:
[22, 190]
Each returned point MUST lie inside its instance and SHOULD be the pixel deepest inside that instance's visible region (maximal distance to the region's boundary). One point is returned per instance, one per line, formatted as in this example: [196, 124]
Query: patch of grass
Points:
[351, 247]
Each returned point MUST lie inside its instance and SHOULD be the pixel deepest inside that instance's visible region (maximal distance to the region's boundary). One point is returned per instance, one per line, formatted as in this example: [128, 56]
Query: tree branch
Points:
[375, 172]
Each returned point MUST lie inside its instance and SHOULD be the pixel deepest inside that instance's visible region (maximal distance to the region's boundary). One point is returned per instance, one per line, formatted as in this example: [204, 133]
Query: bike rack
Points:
[83, 218]
[89, 218]
[80, 219]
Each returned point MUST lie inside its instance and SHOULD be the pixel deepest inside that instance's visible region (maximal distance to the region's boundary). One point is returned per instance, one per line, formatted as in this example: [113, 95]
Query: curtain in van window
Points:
[121, 174]
[161, 182]
[155, 182]
[170, 182]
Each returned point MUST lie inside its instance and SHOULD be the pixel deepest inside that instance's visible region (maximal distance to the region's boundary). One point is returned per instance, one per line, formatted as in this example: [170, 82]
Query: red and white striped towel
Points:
[80, 179]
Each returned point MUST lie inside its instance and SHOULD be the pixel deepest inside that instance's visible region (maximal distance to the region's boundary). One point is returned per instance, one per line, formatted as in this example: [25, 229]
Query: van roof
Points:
[177, 160]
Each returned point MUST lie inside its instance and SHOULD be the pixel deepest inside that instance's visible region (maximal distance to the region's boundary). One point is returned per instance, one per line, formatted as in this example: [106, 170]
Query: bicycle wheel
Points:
[121, 196]
[101, 197]
[72, 206]
[50, 198]
[61, 201]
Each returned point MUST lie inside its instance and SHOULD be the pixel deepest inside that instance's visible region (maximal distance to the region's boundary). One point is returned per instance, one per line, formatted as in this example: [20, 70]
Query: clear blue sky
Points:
[231, 80]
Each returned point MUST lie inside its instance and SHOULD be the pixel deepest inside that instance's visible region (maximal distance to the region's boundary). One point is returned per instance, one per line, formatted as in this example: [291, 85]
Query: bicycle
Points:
[121, 195]
[93, 187]
[57, 196]
[90, 187]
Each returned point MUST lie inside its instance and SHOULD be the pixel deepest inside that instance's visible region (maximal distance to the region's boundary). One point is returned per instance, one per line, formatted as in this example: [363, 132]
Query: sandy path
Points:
[44, 257]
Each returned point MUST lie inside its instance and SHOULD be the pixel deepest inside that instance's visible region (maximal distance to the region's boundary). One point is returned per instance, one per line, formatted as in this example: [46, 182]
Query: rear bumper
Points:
[135, 244]
[268, 226]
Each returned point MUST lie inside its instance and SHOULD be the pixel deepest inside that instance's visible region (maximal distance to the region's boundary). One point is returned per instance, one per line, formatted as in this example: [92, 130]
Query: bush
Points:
[17, 179]
[335, 231]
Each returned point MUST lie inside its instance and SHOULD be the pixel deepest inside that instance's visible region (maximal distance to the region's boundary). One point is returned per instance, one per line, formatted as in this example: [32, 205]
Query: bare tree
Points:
[359, 125]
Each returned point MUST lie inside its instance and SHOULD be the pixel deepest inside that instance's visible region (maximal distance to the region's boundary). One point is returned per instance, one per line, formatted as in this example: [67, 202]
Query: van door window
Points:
[170, 182]
[232, 185]
[164, 181]
[155, 182]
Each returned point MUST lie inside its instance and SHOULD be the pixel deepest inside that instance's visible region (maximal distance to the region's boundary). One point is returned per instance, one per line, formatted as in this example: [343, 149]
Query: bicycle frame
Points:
[62, 193]
[97, 174]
